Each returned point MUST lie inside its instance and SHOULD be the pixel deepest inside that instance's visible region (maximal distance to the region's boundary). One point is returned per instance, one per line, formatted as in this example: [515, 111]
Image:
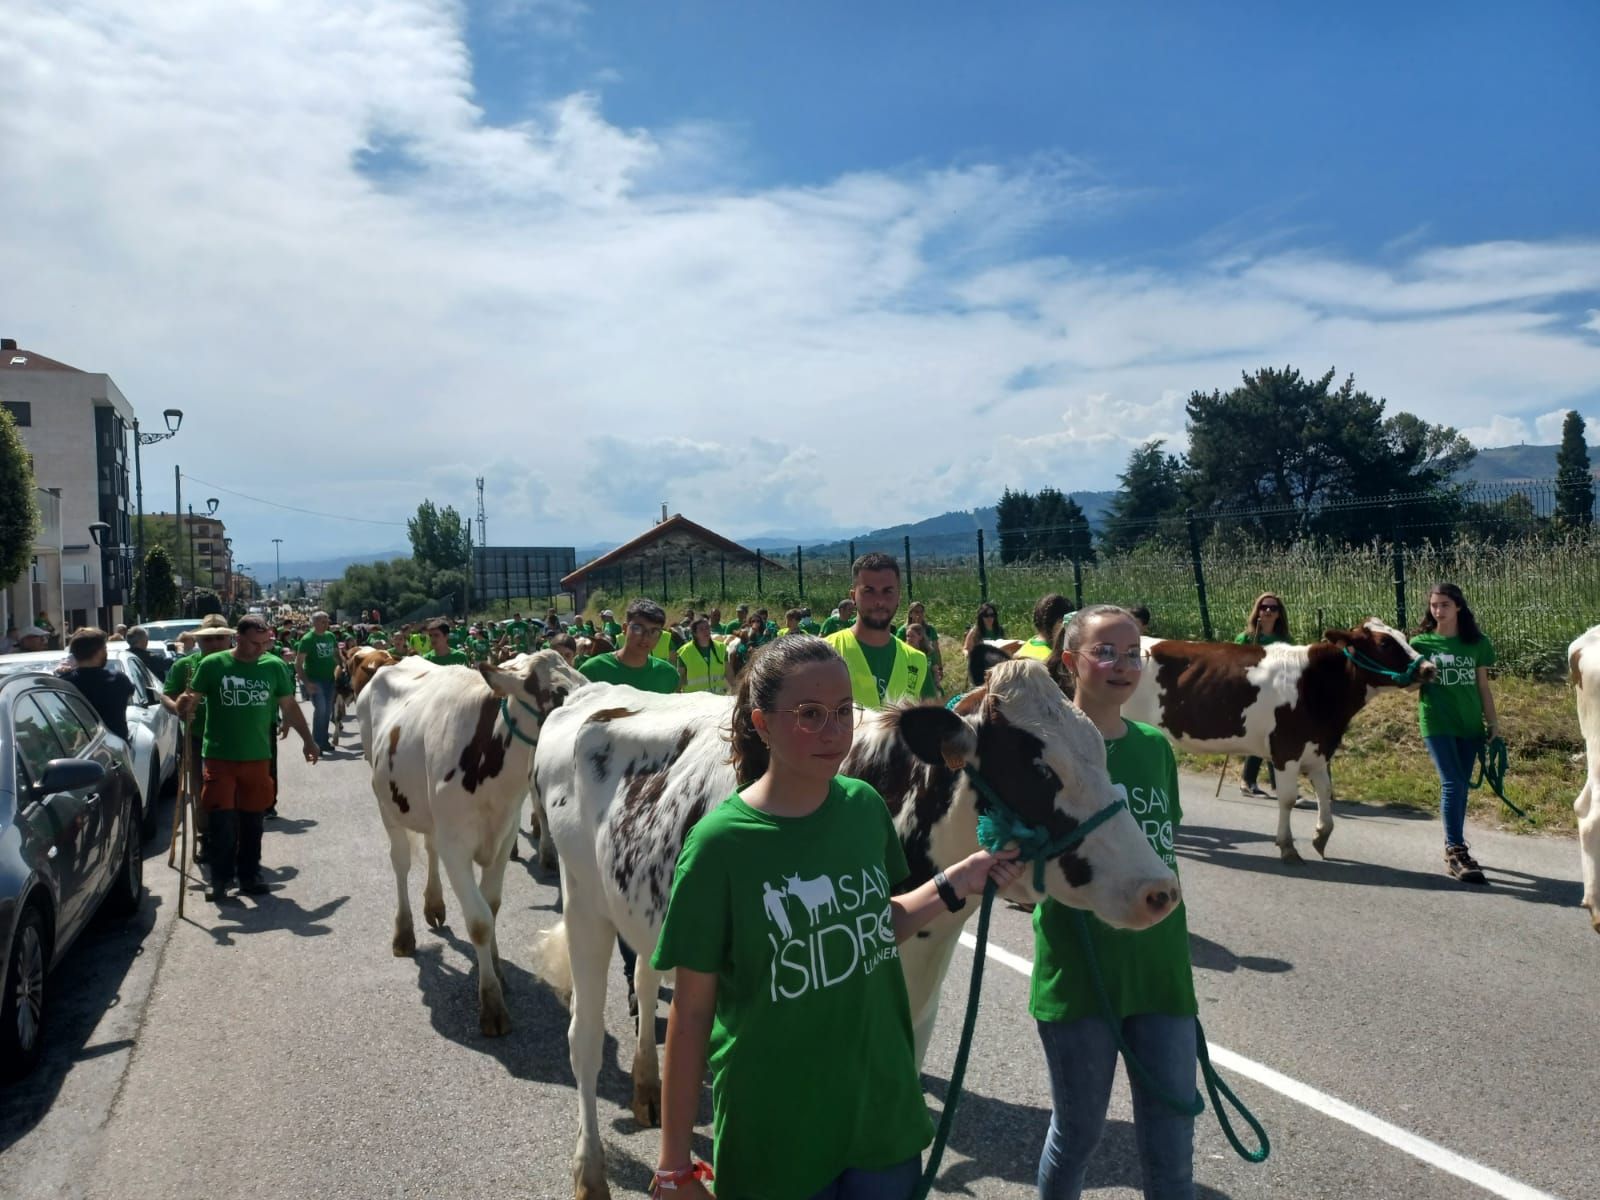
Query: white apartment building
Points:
[75, 425]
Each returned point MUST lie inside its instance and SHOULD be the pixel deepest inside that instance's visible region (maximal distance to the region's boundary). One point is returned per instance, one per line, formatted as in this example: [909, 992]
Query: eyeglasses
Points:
[1109, 656]
[638, 630]
[812, 718]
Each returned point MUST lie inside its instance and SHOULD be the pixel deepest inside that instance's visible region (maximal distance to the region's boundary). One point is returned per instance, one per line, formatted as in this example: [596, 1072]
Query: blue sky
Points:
[739, 257]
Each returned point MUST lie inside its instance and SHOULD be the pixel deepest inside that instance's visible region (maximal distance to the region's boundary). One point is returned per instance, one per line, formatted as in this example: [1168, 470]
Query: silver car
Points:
[155, 736]
[69, 841]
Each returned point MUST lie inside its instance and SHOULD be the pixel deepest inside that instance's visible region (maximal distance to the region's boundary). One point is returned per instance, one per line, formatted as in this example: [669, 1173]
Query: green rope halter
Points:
[999, 826]
[1492, 763]
[1402, 678]
[505, 711]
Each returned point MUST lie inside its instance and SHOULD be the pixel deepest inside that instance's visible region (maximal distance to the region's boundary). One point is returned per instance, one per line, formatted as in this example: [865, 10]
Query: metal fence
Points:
[1532, 579]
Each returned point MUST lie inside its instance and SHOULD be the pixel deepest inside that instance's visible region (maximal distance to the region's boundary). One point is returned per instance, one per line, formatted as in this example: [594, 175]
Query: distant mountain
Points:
[1517, 464]
[325, 568]
[949, 533]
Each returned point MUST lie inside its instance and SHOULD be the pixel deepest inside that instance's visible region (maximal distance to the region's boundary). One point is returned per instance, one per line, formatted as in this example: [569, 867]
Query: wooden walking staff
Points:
[1222, 776]
[179, 846]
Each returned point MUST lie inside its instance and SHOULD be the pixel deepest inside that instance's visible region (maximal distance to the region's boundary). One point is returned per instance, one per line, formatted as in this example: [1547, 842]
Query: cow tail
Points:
[551, 961]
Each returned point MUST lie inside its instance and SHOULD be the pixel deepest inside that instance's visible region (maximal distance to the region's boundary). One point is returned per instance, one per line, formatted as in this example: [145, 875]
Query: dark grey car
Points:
[69, 840]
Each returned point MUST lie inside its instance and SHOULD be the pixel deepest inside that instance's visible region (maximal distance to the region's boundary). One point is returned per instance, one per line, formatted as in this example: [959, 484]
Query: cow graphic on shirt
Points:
[851, 929]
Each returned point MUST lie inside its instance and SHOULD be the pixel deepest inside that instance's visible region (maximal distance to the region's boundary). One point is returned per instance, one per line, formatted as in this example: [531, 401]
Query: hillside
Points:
[1516, 464]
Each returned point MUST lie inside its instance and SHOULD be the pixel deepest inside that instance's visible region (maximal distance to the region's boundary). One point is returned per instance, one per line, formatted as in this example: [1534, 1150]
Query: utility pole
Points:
[277, 557]
[483, 536]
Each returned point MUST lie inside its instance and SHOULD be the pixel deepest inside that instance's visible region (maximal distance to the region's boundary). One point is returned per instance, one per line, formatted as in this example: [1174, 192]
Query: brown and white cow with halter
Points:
[451, 749]
[623, 775]
[357, 666]
[1583, 659]
[1287, 704]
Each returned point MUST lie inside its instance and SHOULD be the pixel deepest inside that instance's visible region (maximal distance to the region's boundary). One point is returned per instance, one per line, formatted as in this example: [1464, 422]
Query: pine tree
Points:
[1574, 481]
[162, 601]
[1013, 520]
[19, 515]
[1152, 490]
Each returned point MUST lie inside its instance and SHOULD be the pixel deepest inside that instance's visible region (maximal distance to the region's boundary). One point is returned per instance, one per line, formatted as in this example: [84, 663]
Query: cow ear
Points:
[937, 736]
[500, 683]
[983, 657]
[1338, 637]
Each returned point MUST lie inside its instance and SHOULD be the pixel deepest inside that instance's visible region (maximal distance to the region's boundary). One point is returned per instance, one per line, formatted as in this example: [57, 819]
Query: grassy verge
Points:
[1383, 760]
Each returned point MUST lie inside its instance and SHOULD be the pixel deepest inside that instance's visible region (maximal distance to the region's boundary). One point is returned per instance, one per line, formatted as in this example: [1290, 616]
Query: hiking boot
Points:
[1254, 790]
[1462, 865]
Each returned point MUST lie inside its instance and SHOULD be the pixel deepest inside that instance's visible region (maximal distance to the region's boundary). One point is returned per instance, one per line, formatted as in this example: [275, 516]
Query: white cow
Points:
[623, 776]
[451, 750]
[1583, 656]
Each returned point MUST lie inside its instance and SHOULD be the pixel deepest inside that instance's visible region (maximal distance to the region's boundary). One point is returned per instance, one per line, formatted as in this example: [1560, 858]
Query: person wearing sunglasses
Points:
[636, 663]
[1146, 975]
[784, 933]
[1267, 623]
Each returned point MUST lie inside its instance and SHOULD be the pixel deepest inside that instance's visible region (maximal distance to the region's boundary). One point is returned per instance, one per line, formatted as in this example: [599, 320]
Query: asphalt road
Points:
[278, 1049]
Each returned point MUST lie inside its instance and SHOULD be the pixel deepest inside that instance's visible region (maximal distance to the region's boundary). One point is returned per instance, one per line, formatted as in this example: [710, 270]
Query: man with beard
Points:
[883, 669]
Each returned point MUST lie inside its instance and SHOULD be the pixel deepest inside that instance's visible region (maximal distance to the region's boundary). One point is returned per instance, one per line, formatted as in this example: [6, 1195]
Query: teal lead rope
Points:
[505, 711]
[1492, 763]
[999, 826]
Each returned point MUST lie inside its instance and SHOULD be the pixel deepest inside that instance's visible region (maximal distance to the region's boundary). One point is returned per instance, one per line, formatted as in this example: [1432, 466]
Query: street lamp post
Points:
[174, 418]
[277, 556]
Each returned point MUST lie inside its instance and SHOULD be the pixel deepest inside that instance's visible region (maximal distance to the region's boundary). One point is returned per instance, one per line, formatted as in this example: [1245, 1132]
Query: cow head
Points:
[542, 680]
[1047, 762]
[1374, 648]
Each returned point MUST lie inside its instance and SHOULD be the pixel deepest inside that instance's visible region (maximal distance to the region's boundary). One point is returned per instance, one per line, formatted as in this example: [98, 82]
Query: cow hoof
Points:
[593, 1189]
[1594, 916]
[1320, 842]
[405, 942]
[434, 915]
[516, 854]
[647, 1103]
[1289, 853]
[494, 1020]
[548, 862]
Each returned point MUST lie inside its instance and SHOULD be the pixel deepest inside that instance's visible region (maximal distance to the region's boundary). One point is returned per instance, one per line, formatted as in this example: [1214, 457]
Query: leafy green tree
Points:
[439, 538]
[1149, 501]
[162, 601]
[1014, 521]
[19, 515]
[1574, 479]
[1060, 528]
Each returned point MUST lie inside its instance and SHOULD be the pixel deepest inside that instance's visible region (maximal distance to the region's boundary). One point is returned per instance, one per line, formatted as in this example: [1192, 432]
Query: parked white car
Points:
[154, 733]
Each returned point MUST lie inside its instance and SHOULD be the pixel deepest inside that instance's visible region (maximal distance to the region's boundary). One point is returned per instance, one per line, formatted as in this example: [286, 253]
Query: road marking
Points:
[1432, 1153]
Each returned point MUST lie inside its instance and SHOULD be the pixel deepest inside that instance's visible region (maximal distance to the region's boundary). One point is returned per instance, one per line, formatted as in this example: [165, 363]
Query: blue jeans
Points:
[320, 693]
[1453, 757]
[1082, 1060]
[891, 1183]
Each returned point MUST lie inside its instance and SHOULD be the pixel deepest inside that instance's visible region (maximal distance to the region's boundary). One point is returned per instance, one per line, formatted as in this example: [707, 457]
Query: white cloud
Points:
[1499, 431]
[1593, 323]
[295, 222]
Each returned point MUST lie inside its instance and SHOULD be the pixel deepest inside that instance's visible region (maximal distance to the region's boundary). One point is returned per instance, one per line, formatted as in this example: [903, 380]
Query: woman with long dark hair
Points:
[986, 627]
[1456, 712]
[1267, 623]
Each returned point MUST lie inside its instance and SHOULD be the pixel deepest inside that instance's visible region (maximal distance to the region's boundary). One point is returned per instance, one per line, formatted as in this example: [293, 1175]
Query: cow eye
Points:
[1044, 770]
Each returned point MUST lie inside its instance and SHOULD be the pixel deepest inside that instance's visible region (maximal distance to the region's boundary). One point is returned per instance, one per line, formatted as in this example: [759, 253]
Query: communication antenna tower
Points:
[483, 538]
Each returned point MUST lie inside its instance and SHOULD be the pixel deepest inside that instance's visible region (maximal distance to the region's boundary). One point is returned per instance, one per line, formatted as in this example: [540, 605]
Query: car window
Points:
[69, 727]
[86, 714]
[137, 675]
[36, 743]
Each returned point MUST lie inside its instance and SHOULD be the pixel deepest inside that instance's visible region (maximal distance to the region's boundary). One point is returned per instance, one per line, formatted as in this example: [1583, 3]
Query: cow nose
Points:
[1160, 898]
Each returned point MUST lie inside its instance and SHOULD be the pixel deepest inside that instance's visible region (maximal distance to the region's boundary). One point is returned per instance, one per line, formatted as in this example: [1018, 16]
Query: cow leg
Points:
[492, 885]
[925, 961]
[1288, 792]
[405, 933]
[1588, 810]
[646, 1066]
[433, 890]
[1322, 780]
[590, 938]
[547, 843]
[494, 1020]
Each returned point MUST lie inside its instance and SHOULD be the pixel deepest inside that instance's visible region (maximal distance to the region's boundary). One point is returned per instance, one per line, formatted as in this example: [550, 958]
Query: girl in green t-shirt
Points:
[985, 627]
[784, 934]
[1267, 623]
[1146, 974]
[1456, 712]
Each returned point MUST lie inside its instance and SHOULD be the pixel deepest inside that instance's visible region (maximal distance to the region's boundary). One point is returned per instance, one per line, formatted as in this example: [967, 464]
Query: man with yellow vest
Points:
[702, 663]
[883, 669]
[1048, 614]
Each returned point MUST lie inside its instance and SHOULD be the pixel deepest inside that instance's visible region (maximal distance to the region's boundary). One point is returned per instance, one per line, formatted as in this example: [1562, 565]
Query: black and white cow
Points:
[622, 776]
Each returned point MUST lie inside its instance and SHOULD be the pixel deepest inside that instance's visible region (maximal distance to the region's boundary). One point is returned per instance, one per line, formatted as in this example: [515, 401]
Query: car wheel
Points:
[127, 890]
[22, 1011]
[147, 826]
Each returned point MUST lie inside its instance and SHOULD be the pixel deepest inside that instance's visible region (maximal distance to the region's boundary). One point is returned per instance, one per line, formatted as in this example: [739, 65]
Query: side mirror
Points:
[70, 774]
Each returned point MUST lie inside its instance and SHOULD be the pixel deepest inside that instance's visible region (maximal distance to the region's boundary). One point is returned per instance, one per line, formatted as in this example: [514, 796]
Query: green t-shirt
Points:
[517, 633]
[880, 661]
[1451, 704]
[1146, 970]
[613, 631]
[792, 916]
[319, 652]
[834, 624]
[177, 682]
[451, 658]
[810, 626]
[1260, 639]
[241, 704]
[657, 675]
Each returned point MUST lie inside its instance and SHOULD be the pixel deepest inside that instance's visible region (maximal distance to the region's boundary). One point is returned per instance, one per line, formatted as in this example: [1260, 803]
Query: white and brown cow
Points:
[450, 753]
[357, 666]
[623, 776]
[1287, 704]
[1583, 658]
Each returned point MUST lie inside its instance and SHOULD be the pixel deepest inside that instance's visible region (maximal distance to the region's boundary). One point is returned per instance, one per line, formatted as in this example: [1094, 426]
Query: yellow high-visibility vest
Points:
[663, 648]
[707, 672]
[905, 677]
[1034, 648]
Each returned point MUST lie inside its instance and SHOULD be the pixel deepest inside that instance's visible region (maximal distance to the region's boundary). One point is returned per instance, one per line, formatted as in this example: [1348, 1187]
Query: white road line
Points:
[1432, 1153]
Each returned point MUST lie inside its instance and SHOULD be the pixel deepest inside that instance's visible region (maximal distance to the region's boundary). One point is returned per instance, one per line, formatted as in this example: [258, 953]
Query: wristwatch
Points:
[947, 893]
